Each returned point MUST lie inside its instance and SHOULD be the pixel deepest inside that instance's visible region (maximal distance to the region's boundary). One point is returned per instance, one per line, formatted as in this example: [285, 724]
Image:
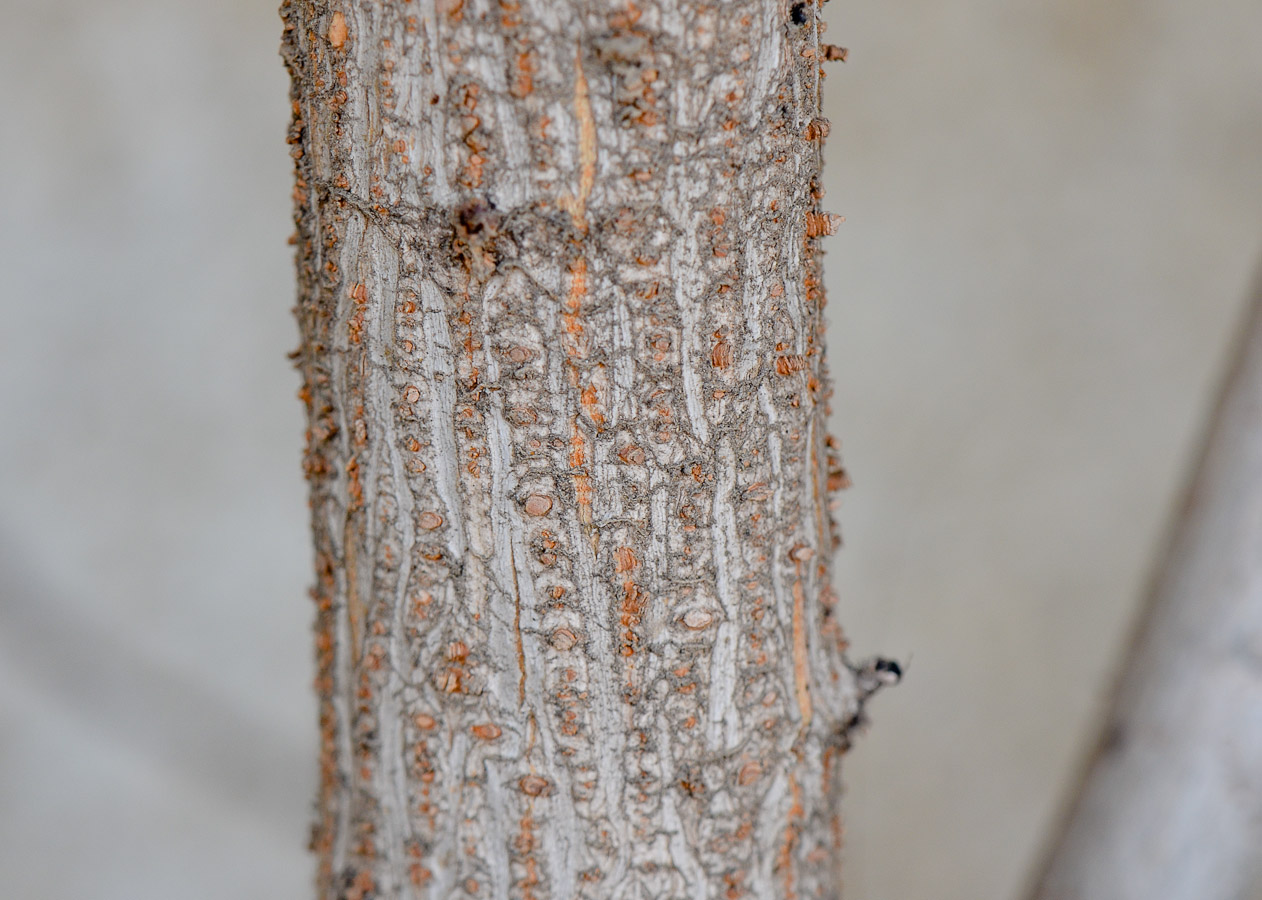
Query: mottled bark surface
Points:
[561, 313]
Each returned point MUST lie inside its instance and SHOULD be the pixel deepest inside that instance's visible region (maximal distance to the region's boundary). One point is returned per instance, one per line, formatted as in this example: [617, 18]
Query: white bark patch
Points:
[724, 531]
[724, 732]
[503, 809]
[770, 833]
[685, 263]
[440, 373]
[681, 852]
[431, 117]
[624, 364]
[751, 299]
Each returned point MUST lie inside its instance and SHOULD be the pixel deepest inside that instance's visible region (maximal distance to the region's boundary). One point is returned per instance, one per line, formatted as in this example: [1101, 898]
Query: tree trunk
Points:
[1171, 805]
[561, 317]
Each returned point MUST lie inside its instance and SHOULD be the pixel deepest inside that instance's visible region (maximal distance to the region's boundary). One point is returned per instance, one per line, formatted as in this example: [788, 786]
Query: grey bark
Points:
[1171, 805]
[561, 316]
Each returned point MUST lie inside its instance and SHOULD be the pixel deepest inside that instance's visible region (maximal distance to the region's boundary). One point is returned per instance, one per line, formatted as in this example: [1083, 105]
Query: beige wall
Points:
[1053, 219]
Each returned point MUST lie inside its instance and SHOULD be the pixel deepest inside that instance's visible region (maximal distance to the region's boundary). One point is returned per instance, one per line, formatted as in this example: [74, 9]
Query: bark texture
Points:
[561, 316]
[1171, 805]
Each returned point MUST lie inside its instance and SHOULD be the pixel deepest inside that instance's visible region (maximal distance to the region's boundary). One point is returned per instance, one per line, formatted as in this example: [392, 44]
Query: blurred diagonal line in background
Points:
[1169, 802]
[136, 701]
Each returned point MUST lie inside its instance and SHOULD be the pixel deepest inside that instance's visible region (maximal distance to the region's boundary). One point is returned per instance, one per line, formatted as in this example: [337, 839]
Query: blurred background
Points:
[1054, 221]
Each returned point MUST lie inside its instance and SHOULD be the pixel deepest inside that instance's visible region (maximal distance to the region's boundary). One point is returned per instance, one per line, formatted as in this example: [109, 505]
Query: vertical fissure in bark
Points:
[562, 320]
